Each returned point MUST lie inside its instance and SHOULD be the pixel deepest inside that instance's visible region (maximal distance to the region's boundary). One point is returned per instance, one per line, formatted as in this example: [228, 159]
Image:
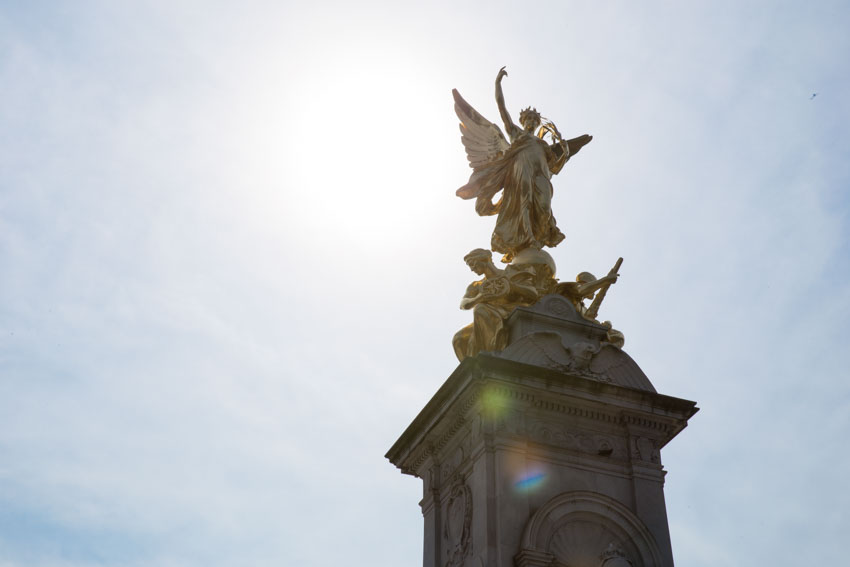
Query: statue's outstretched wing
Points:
[575, 144]
[483, 140]
[485, 145]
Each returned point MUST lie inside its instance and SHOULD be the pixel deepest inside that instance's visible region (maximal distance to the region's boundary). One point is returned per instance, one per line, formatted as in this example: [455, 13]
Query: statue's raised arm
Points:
[512, 129]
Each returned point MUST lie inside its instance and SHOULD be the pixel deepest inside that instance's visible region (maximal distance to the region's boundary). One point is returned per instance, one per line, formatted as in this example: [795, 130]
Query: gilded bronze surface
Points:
[521, 170]
[588, 287]
[493, 297]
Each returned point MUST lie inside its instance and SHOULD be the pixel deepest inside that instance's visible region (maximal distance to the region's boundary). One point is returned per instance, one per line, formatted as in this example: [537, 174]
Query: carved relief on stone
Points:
[458, 522]
[604, 446]
[579, 527]
[475, 430]
[451, 465]
[582, 540]
[546, 349]
[581, 353]
[602, 362]
[511, 422]
[614, 556]
[574, 359]
[557, 306]
[646, 450]
[547, 433]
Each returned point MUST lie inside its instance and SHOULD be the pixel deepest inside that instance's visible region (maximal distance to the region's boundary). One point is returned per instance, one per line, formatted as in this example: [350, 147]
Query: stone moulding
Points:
[449, 411]
[563, 517]
[437, 436]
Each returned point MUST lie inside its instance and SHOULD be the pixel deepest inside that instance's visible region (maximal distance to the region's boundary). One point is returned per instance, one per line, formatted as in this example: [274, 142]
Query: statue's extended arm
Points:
[575, 144]
[511, 128]
[597, 301]
[591, 287]
[563, 150]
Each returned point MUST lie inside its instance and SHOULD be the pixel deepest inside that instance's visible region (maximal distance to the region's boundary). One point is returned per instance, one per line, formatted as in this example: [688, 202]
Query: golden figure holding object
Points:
[521, 170]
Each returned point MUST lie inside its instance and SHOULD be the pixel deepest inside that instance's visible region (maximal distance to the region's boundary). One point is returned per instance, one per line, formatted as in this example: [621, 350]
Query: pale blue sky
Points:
[231, 259]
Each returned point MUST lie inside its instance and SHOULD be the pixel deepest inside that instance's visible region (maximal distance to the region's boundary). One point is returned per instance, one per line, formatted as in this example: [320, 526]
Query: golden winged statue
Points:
[522, 169]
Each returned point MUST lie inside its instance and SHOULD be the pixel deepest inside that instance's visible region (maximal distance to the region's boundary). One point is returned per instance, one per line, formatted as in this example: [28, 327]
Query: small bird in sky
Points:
[813, 96]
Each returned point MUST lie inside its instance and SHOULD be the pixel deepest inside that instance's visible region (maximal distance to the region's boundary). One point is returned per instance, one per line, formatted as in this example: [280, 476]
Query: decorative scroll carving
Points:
[458, 524]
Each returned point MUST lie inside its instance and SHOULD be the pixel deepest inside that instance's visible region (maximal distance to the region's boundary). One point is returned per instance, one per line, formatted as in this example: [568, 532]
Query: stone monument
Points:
[542, 449]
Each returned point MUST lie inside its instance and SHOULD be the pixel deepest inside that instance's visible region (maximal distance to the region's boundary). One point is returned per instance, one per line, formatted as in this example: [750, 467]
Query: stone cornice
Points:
[544, 390]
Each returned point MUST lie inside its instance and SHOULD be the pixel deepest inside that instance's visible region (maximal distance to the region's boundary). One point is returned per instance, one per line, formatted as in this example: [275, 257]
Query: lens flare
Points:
[494, 401]
[530, 481]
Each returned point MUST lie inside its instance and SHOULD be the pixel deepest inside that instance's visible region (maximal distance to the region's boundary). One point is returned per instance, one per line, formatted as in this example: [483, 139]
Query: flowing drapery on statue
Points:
[521, 168]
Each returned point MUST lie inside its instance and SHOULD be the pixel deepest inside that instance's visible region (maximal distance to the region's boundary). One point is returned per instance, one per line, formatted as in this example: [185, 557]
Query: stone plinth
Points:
[546, 454]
